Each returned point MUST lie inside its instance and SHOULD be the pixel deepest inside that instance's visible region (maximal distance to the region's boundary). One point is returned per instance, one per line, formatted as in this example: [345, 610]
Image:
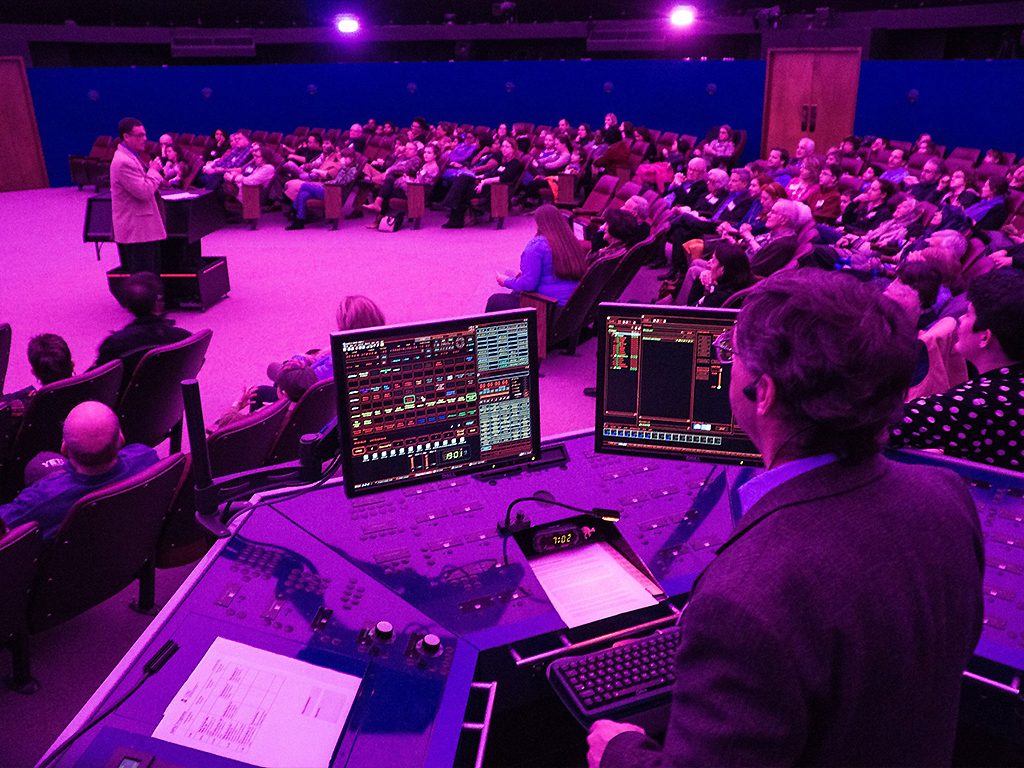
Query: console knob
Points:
[383, 630]
[430, 645]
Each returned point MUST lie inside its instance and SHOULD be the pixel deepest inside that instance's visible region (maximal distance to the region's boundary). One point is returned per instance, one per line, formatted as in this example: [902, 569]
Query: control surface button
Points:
[431, 644]
[383, 630]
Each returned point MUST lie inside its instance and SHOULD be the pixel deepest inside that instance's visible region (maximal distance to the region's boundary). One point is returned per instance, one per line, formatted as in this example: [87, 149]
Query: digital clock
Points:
[553, 538]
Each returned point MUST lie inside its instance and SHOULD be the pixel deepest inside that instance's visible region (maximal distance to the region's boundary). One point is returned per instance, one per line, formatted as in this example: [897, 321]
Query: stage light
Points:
[346, 24]
[683, 16]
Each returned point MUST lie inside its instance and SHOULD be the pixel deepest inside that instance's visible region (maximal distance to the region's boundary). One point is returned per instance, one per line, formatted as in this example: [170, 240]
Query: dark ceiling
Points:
[282, 13]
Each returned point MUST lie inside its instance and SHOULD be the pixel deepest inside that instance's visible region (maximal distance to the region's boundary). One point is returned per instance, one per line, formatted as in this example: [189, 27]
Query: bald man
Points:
[96, 457]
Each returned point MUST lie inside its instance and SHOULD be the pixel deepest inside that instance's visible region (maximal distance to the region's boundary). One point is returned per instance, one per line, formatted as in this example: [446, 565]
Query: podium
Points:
[192, 280]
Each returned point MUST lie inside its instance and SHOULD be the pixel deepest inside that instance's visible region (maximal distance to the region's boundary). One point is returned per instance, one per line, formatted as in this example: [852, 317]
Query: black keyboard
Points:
[626, 677]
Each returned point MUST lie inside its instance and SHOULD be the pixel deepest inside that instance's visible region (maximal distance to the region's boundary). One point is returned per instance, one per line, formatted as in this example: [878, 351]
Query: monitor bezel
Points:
[338, 338]
[604, 310]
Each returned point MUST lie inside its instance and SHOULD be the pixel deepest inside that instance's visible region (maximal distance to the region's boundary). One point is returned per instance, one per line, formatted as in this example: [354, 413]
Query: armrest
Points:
[545, 306]
[250, 202]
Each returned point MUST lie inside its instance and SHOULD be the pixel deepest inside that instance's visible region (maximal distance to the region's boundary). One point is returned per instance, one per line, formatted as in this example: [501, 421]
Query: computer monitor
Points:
[422, 401]
[661, 390]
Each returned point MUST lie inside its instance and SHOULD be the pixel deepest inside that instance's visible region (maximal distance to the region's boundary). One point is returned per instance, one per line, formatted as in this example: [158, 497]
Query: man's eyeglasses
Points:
[724, 346]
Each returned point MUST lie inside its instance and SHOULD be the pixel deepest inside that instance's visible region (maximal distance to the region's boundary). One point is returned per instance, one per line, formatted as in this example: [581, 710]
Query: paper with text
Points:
[260, 708]
[592, 582]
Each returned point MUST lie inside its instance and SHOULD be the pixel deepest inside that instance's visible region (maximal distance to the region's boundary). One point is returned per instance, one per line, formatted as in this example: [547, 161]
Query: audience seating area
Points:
[125, 531]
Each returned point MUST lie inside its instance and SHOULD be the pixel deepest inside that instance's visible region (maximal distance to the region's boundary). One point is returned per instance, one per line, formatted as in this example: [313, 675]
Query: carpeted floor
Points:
[285, 288]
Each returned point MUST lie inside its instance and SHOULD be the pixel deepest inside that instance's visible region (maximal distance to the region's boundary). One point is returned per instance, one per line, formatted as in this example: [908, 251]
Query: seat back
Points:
[624, 192]
[19, 557]
[246, 443]
[43, 423]
[959, 164]
[571, 319]
[852, 165]
[970, 154]
[991, 171]
[629, 267]
[151, 404]
[103, 544]
[311, 414]
[182, 540]
[636, 154]
[599, 196]
[5, 352]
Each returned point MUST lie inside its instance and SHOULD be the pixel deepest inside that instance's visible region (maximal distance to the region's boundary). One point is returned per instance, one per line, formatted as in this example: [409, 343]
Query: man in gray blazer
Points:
[835, 622]
[138, 224]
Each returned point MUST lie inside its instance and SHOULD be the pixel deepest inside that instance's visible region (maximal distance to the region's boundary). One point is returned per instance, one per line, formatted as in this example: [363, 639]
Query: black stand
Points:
[192, 281]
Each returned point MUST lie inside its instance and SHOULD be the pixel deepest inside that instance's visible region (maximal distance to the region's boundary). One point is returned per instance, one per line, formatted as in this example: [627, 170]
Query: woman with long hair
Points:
[551, 264]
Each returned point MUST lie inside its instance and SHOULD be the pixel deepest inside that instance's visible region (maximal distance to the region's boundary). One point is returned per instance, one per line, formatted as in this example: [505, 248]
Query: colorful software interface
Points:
[661, 389]
[420, 401]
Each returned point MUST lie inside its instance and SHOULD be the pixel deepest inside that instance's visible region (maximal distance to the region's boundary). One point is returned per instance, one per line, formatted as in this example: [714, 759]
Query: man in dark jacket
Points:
[835, 622]
[143, 296]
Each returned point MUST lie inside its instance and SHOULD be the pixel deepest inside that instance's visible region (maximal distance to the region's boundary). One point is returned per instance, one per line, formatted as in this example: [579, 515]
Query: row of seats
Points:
[124, 532]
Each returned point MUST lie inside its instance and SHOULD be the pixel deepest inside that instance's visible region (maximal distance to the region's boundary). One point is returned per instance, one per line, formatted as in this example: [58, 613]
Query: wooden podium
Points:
[192, 281]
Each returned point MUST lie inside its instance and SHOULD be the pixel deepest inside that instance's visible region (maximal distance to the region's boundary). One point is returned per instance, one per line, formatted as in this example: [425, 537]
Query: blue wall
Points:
[73, 106]
[961, 103]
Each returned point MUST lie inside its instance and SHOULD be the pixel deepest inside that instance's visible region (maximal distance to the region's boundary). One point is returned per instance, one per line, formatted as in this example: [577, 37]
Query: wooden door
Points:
[810, 92]
[21, 153]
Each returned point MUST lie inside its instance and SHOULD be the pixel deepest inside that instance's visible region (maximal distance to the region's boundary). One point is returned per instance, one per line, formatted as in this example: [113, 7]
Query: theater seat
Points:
[19, 559]
[311, 414]
[42, 425]
[563, 325]
[151, 407]
[107, 541]
[5, 352]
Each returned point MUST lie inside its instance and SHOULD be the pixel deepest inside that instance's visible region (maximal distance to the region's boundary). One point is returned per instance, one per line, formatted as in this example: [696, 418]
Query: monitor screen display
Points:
[416, 402]
[661, 390]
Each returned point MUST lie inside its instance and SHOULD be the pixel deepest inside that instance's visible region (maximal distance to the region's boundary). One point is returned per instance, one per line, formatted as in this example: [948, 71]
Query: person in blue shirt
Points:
[96, 457]
[551, 264]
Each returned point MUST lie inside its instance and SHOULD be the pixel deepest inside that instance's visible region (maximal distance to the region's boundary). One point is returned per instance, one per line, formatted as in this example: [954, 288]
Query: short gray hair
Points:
[718, 176]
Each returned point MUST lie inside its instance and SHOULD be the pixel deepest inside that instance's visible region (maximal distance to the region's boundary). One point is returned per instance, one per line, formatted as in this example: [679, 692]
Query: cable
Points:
[611, 515]
[154, 665]
[328, 473]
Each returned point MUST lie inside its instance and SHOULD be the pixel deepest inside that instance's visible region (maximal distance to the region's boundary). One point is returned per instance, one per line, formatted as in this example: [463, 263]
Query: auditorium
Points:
[511, 384]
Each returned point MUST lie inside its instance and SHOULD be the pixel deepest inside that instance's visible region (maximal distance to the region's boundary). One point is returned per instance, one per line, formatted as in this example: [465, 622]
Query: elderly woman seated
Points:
[863, 252]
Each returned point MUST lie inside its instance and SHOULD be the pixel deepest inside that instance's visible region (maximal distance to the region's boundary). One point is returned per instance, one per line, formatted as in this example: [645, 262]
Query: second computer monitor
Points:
[661, 389]
[418, 402]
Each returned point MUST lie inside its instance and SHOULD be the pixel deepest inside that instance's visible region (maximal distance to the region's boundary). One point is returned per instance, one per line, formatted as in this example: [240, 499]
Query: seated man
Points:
[239, 154]
[827, 630]
[727, 200]
[50, 360]
[981, 419]
[304, 158]
[143, 296]
[96, 457]
[896, 169]
[687, 188]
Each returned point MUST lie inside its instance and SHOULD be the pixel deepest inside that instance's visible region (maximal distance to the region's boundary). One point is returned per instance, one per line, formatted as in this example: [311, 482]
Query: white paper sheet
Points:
[179, 196]
[592, 582]
[260, 708]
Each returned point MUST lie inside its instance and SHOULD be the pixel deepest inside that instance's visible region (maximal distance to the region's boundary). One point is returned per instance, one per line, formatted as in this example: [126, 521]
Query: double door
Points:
[810, 92]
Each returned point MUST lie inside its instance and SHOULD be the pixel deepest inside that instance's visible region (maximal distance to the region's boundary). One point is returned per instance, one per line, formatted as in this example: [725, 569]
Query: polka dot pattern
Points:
[988, 432]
